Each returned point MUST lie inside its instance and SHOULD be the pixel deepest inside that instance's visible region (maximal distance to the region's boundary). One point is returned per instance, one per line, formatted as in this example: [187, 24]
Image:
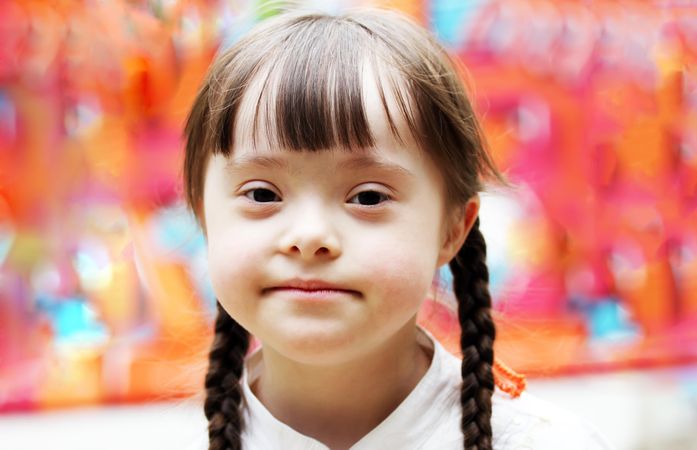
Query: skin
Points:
[336, 363]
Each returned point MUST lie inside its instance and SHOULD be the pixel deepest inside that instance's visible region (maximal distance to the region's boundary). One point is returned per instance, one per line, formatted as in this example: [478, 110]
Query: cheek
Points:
[401, 272]
[235, 251]
[407, 251]
[223, 262]
[232, 264]
[234, 275]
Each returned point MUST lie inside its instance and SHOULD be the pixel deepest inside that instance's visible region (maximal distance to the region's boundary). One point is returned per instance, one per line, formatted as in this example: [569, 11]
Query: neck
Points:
[339, 404]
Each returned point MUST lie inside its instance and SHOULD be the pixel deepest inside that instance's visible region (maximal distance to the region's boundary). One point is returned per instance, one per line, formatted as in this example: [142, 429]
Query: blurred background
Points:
[105, 307]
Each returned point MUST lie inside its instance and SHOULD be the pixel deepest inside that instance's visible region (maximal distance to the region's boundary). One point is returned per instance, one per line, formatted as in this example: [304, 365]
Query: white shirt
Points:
[429, 418]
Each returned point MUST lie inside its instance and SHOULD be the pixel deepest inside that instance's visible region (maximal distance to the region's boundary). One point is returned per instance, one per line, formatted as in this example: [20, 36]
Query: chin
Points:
[316, 344]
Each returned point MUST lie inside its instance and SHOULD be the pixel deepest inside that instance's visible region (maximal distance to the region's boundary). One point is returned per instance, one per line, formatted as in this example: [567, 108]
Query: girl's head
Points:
[344, 151]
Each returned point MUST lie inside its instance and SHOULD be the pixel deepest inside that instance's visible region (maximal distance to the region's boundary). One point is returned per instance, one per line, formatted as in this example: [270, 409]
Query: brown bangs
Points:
[306, 93]
[312, 98]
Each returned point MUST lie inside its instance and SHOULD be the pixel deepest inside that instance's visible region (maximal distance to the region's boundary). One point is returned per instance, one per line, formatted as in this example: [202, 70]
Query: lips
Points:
[311, 286]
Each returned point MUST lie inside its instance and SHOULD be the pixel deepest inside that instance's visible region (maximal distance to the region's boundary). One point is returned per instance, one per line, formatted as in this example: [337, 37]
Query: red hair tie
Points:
[507, 379]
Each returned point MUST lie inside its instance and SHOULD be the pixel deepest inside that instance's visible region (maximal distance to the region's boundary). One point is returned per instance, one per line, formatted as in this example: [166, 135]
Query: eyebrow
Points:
[354, 163]
[247, 162]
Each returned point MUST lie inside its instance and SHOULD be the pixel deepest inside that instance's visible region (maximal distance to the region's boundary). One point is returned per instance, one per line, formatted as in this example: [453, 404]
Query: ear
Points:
[457, 228]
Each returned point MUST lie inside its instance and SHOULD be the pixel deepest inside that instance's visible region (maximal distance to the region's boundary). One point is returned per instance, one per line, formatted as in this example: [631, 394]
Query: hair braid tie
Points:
[223, 390]
[471, 287]
[508, 380]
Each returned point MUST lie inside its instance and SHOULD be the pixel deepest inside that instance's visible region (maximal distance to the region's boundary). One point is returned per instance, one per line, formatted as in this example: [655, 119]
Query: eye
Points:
[262, 195]
[369, 198]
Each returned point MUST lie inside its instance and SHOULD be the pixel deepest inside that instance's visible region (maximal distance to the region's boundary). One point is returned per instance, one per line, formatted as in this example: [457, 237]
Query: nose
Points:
[311, 234]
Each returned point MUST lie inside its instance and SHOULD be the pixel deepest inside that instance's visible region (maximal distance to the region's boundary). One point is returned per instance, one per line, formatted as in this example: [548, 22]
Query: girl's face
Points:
[325, 255]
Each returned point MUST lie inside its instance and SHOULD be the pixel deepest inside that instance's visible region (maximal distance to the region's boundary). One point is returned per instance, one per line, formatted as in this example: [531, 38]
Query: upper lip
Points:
[310, 285]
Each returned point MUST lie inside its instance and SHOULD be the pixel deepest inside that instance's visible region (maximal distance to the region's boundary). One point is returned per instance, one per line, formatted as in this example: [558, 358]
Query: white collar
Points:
[413, 422]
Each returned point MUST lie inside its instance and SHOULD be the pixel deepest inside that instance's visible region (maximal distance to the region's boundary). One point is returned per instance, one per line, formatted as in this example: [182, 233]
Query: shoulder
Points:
[530, 422]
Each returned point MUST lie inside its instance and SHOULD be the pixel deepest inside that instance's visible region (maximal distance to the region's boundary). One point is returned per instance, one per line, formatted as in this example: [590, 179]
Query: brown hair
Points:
[317, 104]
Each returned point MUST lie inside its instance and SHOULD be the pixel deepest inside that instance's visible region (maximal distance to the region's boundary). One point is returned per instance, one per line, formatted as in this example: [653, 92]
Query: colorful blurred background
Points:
[105, 307]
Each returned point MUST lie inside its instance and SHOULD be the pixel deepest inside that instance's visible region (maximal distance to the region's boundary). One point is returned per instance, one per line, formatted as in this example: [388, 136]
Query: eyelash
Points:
[384, 197]
[256, 189]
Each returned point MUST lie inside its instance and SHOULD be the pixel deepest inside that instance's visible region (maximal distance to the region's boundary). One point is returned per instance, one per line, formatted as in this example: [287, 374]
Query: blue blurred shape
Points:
[609, 321]
[8, 117]
[451, 19]
[7, 237]
[74, 322]
[177, 233]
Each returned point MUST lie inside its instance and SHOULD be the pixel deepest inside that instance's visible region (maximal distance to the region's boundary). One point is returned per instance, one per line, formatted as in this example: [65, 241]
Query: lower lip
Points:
[319, 295]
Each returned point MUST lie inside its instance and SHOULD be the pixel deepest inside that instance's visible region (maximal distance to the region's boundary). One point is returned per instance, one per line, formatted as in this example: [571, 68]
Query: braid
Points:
[223, 389]
[471, 287]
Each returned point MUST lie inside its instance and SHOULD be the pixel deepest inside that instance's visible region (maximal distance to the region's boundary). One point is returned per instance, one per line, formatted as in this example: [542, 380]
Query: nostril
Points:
[310, 250]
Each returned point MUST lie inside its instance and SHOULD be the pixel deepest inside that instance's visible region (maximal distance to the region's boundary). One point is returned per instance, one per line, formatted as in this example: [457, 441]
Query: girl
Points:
[334, 164]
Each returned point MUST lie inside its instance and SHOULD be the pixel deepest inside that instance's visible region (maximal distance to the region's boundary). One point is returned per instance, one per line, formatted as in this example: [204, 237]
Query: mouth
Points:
[311, 287]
